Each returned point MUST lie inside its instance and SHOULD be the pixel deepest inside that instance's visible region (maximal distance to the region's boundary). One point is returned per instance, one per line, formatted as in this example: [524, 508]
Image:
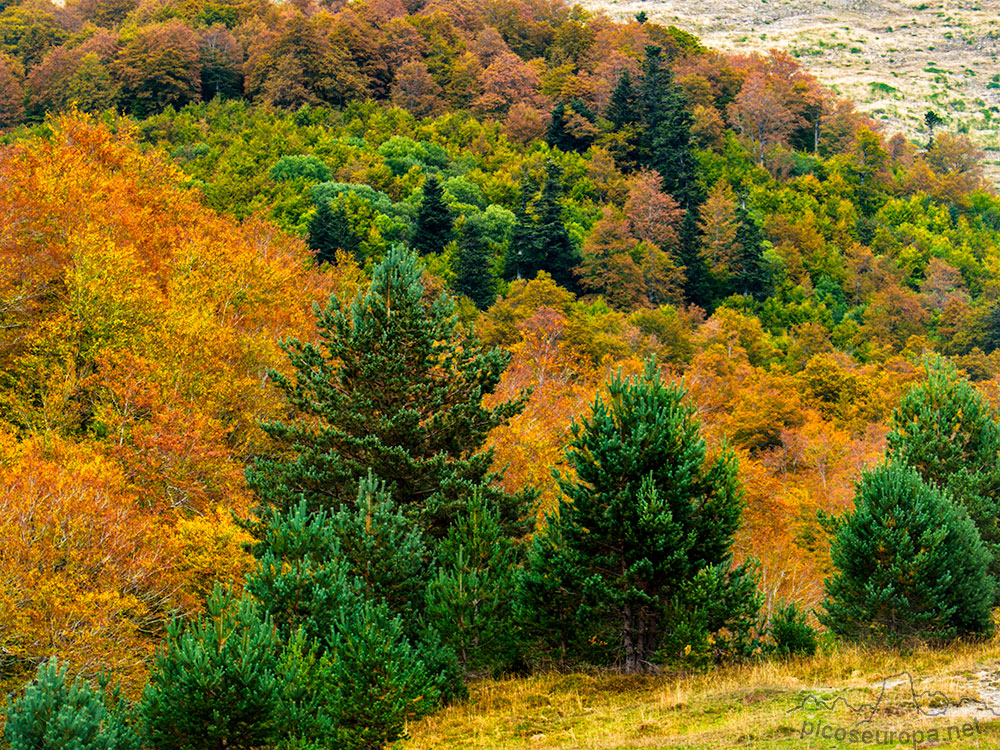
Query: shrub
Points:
[216, 683]
[910, 564]
[307, 167]
[55, 713]
[792, 635]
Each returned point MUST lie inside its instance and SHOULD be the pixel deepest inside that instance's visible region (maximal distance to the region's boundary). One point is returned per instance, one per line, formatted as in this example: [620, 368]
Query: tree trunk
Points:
[631, 662]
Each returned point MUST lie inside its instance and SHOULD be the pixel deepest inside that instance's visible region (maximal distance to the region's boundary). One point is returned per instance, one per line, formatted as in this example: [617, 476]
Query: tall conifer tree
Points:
[946, 430]
[697, 277]
[622, 107]
[751, 276]
[645, 513]
[433, 227]
[666, 135]
[561, 135]
[554, 249]
[329, 231]
[540, 241]
[473, 265]
[520, 247]
[394, 386]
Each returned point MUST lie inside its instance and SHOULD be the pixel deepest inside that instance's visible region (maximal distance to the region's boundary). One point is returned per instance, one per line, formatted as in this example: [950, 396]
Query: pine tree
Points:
[470, 601]
[433, 226]
[521, 246]
[302, 578]
[622, 107]
[394, 387]
[357, 574]
[473, 265]
[56, 713]
[751, 277]
[713, 616]
[697, 278]
[790, 631]
[665, 144]
[549, 601]
[552, 247]
[379, 679]
[946, 430]
[383, 549]
[645, 514]
[329, 231]
[909, 564]
[216, 683]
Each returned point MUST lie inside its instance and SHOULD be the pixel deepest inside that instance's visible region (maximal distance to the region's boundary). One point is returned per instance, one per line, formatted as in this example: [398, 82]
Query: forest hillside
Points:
[896, 60]
[352, 355]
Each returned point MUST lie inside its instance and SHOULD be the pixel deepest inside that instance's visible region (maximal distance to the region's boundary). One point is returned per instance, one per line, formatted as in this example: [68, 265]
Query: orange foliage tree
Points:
[136, 330]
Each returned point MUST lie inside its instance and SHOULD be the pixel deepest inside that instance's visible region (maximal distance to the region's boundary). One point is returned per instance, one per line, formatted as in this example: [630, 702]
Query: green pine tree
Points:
[521, 246]
[551, 249]
[470, 601]
[56, 713]
[395, 386]
[432, 229]
[751, 277]
[330, 231]
[216, 683]
[946, 430]
[714, 616]
[540, 240]
[382, 548]
[381, 681]
[623, 105]
[474, 265]
[329, 576]
[665, 143]
[357, 688]
[792, 635]
[302, 578]
[909, 564]
[549, 601]
[645, 514]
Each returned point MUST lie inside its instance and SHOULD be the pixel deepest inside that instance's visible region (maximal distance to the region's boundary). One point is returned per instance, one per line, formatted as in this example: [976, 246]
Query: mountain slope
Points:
[895, 59]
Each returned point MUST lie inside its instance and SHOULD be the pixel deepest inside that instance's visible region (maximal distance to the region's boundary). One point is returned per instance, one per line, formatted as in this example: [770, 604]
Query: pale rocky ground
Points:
[896, 59]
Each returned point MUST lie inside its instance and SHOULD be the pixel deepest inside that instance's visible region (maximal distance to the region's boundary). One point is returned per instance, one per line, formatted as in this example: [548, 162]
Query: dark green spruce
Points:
[474, 265]
[432, 229]
[330, 231]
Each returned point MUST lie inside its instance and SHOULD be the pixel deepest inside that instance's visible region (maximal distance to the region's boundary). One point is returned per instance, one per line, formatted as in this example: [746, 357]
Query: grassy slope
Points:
[896, 58]
[746, 706]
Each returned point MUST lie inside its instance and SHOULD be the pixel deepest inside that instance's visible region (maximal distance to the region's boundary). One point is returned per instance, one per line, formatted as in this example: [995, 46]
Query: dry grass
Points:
[751, 705]
[897, 59]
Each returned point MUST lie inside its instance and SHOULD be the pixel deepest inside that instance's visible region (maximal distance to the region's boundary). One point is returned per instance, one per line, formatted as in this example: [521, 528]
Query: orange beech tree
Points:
[135, 330]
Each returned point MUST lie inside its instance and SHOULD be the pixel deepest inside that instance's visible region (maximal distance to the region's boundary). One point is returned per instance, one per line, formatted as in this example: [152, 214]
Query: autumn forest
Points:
[351, 352]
